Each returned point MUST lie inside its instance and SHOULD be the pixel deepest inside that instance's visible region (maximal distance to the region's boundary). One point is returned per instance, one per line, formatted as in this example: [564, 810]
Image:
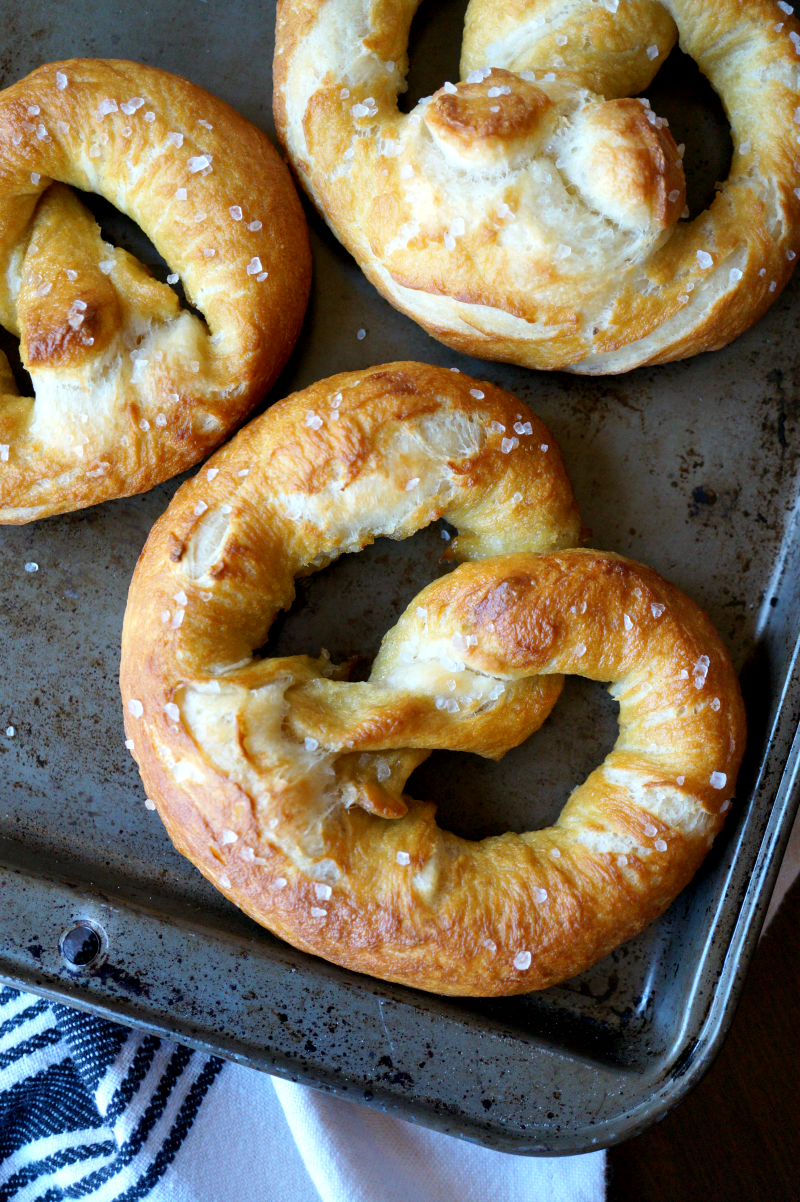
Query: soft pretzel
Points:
[284, 783]
[131, 388]
[533, 212]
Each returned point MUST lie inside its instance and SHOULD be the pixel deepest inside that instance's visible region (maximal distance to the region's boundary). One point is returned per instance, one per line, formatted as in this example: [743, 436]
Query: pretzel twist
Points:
[131, 388]
[284, 783]
[532, 212]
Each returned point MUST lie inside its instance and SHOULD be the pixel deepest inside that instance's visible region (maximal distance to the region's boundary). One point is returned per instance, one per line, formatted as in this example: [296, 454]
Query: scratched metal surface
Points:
[691, 468]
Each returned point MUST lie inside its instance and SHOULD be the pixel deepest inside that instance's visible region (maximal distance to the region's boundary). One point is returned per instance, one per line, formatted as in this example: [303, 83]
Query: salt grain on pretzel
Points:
[533, 212]
[131, 388]
[287, 758]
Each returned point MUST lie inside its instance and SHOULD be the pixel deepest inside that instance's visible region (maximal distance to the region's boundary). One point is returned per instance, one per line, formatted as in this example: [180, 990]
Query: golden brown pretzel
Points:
[283, 782]
[131, 388]
[532, 212]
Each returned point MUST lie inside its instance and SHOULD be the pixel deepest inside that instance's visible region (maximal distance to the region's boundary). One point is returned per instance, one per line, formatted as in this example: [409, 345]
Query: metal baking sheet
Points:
[691, 468]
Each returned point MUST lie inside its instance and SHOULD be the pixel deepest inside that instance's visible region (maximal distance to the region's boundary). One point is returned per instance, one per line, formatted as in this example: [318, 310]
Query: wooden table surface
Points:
[736, 1138]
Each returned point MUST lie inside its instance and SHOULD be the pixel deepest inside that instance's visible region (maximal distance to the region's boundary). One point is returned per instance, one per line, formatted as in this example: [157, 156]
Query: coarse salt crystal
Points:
[254, 266]
[403, 858]
[313, 420]
[61, 80]
[715, 704]
[149, 804]
[178, 618]
[718, 780]
[225, 881]
[208, 252]
[622, 861]
[310, 743]
[281, 882]
[262, 275]
[744, 148]
[406, 171]
[135, 708]
[657, 609]
[361, 335]
[449, 241]
[517, 497]
[35, 177]
[129, 744]
[106, 266]
[543, 447]
[650, 830]
[316, 912]
[172, 711]
[580, 650]
[129, 107]
[161, 420]
[236, 212]
[254, 225]
[181, 598]
[412, 483]
[4, 447]
[660, 845]
[522, 961]
[31, 567]
[175, 139]
[476, 392]
[198, 163]
[540, 895]
[626, 622]
[212, 472]
[200, 508]
[680, 779]
[105, 107]
[704, 259]
[652, 52]
[173, 277]
[509, 444]
[673, 195]
[450, 88]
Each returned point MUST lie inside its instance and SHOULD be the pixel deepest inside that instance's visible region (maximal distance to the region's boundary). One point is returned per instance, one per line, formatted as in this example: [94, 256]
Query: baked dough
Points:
[131, 388]
[284, 783]
[532, 212]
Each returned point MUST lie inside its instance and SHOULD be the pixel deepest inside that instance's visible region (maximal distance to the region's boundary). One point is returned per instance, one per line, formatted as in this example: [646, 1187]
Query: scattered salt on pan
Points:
[650, 830]
[31, 567]
[254, 225]
[310, 743]
[10, 732]
[172, 711]
[361, 335]
[200, 508]
[412, 484]
[135, 708]
[254, 266]
[173, 277]
[718, 780]
[148, 804]
[522, 960]
[704, 259]
[445, 536]
[129, 744]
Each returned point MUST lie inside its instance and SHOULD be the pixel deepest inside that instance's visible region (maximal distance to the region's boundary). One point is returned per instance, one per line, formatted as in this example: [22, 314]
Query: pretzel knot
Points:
[534, 212]
[130, 387]
[284, 782]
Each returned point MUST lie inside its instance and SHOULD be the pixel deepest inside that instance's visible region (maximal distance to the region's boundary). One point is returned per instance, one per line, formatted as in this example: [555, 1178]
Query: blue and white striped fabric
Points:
[93, 1111]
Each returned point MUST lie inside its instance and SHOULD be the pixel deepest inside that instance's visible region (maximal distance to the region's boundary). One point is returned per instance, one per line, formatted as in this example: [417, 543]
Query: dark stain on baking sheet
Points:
[691, 468]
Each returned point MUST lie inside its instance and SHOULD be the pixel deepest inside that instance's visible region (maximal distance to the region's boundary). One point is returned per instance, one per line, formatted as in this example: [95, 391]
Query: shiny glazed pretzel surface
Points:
[131, 388]
[533, 211]
[284, 782]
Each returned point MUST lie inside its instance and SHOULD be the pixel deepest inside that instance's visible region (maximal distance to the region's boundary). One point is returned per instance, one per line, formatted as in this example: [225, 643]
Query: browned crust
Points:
[44, 229]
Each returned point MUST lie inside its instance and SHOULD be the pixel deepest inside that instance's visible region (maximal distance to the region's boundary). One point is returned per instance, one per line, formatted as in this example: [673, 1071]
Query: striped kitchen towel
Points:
[90, 1110]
